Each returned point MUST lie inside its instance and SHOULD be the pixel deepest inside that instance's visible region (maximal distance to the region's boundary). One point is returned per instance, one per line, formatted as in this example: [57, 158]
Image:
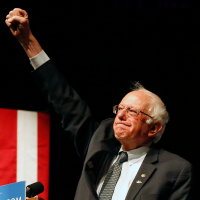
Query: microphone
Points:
[34, 189]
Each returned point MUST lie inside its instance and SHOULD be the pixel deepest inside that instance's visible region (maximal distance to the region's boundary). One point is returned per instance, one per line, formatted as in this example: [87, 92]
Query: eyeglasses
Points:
[131, 111]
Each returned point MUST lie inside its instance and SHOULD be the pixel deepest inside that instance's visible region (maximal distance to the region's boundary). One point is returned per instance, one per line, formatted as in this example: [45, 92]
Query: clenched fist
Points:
[17, 21]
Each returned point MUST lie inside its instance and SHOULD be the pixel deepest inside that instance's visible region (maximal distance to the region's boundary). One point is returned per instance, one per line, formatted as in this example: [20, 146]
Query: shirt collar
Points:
[136, 153]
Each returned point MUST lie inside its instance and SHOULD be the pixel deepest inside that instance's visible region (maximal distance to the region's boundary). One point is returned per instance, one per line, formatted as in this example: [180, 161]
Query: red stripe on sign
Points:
[43, 152]
[8, 146]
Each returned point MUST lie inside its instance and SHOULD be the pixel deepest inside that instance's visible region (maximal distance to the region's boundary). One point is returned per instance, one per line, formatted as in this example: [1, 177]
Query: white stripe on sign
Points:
[27, 146]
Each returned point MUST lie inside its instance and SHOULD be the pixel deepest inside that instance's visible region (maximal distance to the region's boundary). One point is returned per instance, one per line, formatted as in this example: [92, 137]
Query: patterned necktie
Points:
[112, 177]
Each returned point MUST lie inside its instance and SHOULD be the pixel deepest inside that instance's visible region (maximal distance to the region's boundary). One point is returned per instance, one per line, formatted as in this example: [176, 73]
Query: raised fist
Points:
[17, 21]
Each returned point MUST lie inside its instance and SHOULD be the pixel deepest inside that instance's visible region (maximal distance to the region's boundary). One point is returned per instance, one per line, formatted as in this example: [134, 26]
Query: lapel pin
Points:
[143, 175]
[139, 181]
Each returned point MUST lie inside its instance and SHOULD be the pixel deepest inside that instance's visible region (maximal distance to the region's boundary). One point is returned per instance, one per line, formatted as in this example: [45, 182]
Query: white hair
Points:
[157, 110]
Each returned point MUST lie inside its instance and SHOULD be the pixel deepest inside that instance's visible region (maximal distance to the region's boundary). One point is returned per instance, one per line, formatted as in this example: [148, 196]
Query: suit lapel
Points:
[145, 171]
[108, 148]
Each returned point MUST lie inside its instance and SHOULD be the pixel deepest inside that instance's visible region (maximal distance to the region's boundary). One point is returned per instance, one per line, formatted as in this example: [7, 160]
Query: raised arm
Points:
[73, 112]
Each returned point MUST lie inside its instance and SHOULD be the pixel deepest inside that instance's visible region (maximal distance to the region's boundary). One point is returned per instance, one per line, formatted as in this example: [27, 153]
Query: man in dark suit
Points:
[146, 173]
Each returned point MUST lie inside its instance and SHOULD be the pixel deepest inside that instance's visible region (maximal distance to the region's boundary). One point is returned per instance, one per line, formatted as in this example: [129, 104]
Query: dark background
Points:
[101, 53]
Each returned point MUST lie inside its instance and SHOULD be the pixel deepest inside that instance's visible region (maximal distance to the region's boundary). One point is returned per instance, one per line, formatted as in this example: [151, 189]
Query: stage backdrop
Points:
[24, 147]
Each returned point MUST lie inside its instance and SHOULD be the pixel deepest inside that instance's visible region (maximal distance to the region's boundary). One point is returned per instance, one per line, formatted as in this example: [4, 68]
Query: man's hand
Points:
[17, 21]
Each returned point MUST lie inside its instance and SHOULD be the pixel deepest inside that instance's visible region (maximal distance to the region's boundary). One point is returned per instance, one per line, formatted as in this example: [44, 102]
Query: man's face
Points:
[133, 132]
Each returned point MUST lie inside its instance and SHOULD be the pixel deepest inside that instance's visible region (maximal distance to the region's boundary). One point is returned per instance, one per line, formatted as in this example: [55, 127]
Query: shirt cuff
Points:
[39, 59]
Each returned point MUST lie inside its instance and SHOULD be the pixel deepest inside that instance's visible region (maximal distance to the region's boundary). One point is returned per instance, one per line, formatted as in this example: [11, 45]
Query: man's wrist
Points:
[31, 46]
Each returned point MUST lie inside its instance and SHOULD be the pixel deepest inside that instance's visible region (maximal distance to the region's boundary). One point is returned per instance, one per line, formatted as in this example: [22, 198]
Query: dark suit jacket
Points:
[168, 176]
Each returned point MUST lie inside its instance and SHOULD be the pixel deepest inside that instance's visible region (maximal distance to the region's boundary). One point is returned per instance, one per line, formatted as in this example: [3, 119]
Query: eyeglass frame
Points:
[115, 111]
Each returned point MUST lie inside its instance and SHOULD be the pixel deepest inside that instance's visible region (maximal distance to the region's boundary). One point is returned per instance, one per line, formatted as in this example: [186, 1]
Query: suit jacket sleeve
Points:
[74, 113]
[183, 187]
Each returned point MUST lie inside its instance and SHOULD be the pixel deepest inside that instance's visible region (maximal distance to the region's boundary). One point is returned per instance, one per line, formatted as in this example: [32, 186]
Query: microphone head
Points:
[34, 189]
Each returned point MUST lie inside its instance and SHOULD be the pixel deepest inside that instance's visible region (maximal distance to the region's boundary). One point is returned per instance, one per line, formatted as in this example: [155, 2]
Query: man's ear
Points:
[157, 126]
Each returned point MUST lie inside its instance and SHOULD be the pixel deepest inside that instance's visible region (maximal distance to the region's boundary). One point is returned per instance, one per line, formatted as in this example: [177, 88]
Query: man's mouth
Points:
[122, 123]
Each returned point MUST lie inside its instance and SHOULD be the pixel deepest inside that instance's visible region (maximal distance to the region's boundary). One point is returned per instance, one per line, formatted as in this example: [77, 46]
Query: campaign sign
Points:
[13, 191]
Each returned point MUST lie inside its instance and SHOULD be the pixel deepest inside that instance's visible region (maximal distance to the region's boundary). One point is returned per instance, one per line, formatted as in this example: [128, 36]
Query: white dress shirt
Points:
[128, 173]
[39, 59]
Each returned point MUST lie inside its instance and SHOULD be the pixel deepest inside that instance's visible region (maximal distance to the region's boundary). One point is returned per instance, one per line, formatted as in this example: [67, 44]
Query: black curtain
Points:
[152, 4]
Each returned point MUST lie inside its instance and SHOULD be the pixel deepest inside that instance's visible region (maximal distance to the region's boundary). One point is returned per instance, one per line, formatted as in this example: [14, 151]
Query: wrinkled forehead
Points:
[138, 99]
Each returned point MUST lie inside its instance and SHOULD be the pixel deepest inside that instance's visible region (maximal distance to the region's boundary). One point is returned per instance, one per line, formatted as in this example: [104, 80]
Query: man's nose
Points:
[122, 114]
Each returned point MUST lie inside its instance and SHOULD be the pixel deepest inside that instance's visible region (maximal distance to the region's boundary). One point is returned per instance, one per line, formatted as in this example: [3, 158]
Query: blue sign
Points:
[13, 191]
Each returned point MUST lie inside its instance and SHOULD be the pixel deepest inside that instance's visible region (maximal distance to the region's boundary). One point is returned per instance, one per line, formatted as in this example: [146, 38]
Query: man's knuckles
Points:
[18, 19]
[18, 12]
